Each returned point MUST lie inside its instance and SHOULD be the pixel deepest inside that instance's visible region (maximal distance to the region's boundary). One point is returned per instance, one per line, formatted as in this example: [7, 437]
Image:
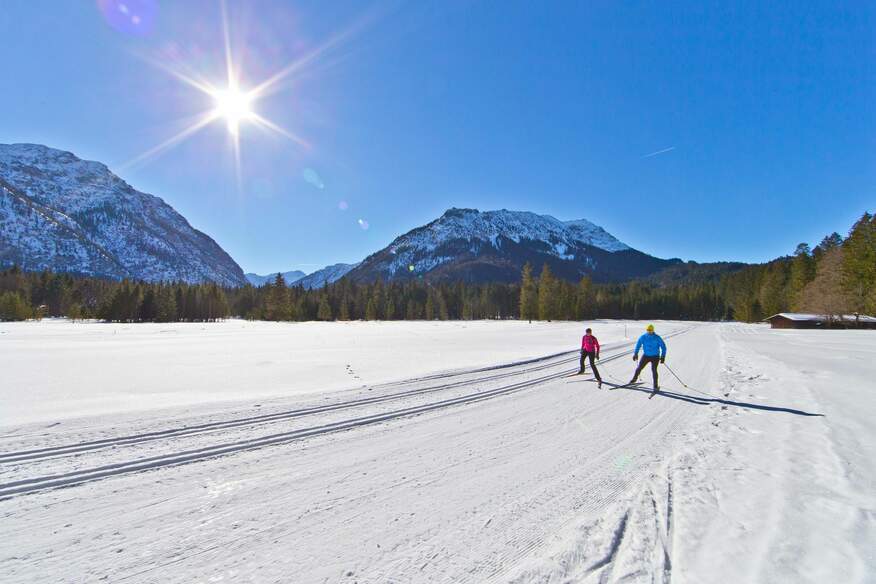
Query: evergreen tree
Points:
[430, 306]
[528, 295]
[277, 304]
[859, 264]
[165, 305]
[547, 288]
[802, 272]
[371, 310]
[344, 310]
[325, 310]
[14, 307]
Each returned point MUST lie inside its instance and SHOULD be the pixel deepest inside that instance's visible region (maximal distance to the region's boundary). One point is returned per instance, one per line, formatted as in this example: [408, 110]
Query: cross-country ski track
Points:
[516, 472]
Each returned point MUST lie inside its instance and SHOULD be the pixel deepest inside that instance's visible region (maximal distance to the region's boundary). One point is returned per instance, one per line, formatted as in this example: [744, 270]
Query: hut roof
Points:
[799, 316]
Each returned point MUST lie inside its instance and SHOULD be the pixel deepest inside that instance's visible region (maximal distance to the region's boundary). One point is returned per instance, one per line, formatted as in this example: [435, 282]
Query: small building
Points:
[795, 320]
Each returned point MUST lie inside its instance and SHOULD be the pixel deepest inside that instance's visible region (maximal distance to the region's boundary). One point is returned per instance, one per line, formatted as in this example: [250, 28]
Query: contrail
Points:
[671, 148]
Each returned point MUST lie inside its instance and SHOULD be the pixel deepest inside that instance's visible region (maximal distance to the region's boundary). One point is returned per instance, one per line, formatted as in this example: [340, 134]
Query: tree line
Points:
[837, 276]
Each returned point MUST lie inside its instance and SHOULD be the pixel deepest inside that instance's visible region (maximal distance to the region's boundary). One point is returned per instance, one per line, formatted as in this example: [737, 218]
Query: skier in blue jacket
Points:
[653, 351]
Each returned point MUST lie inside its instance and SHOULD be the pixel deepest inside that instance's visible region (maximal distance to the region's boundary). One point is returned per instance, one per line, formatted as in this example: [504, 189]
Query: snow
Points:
[759, 469]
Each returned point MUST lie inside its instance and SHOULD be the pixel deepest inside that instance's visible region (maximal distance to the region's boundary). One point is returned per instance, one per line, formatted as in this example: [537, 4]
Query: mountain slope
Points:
[291, 277]
[475, 246]
[69, 215]
[327, 275]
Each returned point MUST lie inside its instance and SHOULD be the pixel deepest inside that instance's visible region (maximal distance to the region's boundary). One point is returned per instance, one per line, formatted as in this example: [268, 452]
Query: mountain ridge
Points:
[66, 214]
[480, 246]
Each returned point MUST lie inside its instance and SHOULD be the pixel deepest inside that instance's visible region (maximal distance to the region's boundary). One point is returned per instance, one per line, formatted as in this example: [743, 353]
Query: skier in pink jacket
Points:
[589, 350]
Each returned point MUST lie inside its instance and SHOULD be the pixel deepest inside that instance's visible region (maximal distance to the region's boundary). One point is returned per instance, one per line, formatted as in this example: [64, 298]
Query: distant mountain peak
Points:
[291, 277]
[479, 245]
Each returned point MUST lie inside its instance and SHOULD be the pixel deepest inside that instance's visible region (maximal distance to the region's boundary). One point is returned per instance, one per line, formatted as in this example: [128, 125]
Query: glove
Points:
[663, 359]
[635, 357]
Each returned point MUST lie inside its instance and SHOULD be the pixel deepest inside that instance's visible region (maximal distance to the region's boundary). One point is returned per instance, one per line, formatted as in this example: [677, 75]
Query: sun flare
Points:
[234, 106]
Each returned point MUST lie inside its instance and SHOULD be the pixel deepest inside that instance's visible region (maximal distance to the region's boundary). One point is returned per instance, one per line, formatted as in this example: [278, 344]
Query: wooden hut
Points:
[795, 320]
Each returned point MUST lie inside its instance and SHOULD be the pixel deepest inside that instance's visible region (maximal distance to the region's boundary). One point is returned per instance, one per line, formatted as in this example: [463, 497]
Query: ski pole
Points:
[683, 383]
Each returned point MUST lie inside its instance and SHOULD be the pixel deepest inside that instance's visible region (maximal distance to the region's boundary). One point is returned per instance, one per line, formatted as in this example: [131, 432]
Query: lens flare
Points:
[311, 177]
[343, 205]
[133, 17]
[363, 224]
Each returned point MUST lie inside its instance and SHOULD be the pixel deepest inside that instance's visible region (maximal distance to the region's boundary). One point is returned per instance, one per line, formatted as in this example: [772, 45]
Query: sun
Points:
[234, 106]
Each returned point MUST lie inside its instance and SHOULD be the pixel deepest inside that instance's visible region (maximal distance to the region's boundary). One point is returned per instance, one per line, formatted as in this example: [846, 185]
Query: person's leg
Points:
[642, 363]
[654, 362]
[583, 356]
[593, 366]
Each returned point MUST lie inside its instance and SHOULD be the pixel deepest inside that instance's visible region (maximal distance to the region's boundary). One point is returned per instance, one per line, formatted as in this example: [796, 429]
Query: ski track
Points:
[508, 473]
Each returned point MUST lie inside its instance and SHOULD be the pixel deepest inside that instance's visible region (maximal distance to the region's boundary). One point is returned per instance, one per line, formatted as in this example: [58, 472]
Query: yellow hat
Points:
[650, 328]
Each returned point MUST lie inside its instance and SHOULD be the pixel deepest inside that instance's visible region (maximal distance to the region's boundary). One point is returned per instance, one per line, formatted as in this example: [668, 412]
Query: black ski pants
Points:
[654, 361]
[588, 355]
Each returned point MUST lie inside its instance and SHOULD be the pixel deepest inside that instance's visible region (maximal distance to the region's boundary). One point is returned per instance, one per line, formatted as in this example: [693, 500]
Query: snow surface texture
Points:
[327, 275]
[62, 213]
[290, 277]
[761, 470]
[490, 227]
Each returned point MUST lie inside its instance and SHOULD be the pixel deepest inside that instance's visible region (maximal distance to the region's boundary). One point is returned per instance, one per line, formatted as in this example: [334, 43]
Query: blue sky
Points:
[766, 113]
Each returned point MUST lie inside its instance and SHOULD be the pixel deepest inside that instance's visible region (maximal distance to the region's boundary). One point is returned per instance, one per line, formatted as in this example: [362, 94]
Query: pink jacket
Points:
[590, 344]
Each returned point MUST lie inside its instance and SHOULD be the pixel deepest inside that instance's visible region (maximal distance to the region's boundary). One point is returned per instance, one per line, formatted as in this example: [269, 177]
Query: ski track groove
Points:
[35, 454]
[25, 486]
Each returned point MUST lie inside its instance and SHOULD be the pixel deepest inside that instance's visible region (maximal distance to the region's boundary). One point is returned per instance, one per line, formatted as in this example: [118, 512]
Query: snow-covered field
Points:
[433, 452]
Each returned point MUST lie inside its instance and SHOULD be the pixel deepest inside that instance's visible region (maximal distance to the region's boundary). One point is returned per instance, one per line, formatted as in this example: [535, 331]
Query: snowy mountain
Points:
[470, 245]
[290, 277]
[69, 215]
[327, 275]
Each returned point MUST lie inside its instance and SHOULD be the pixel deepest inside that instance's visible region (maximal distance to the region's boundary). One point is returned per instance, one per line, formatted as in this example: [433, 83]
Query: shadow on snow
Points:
[704, 401]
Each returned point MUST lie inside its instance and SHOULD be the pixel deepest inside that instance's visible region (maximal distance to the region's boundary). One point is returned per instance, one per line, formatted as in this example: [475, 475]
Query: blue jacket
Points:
[651, 346]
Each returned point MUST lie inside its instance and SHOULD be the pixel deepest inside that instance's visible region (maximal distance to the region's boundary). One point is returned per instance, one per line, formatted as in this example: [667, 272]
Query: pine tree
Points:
[859, 264]
[389, 309]
[325, 310]
[344, 311]
[528, 295]
[277, 305]
[802, 272]
[547, 287]
[430, 306]
[371, 310]
[165, 305]
[443, 309]
[14, 307]
[584, 299]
